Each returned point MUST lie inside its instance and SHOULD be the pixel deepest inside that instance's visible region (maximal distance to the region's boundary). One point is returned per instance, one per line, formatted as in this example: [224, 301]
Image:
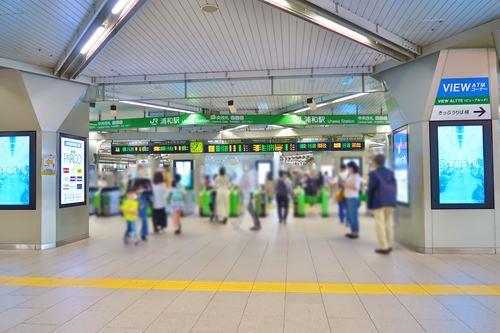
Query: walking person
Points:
[283, 190]
[177, 200]
[382, 190]
[130, 210]
[160, 193]
[222, 186]
[247, 187]
[143, 187]
[339, 196]
[352, 186]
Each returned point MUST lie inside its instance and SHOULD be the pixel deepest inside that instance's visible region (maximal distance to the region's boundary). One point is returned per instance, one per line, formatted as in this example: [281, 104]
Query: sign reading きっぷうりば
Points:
[462, 99]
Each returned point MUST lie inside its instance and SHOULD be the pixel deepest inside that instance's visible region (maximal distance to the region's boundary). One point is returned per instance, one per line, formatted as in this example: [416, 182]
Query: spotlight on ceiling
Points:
[311, 103]
[232, 107]
[209, 8]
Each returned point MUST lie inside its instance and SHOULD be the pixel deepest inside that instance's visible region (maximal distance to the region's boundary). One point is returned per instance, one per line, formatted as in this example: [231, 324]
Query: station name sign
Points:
[196, 147]
[248, 119]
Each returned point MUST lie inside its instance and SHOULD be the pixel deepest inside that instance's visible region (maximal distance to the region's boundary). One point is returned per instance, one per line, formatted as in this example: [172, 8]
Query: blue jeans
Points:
[131, 231]
[341, 211]
[352, 205]
[143, 215]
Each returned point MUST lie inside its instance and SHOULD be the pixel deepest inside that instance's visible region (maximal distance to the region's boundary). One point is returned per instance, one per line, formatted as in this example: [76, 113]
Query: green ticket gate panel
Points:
[204, 201]
[299, 203]
[234, 203]
[324, 195]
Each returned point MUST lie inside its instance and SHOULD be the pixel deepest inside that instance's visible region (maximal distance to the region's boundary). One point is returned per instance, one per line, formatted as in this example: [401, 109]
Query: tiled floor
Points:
[311, 250]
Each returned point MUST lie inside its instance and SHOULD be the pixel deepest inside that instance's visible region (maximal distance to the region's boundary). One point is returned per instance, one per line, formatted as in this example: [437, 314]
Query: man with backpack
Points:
[283, 190]
[382, 190]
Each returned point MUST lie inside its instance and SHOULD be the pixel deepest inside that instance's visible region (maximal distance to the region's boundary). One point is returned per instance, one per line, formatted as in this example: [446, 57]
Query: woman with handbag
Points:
[339, 195]
[352, 186]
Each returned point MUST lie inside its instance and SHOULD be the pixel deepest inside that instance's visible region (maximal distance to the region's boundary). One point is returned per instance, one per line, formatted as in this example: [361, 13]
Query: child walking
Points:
[177, 198]
[130, 210]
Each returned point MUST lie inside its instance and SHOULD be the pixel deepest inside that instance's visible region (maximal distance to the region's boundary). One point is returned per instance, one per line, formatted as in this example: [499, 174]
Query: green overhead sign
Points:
[248, 119]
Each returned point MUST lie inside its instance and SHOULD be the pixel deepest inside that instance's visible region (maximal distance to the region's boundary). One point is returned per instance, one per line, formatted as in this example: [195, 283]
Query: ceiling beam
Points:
[349, 26]
[80, 33]
[34, 69]
[103, 26]
[232, 75]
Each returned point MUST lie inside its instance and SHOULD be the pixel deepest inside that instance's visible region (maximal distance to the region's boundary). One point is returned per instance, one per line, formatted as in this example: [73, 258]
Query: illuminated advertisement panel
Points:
[401, 164]
[184, 168]
[72, 171]
[461, 165]
[17, 170]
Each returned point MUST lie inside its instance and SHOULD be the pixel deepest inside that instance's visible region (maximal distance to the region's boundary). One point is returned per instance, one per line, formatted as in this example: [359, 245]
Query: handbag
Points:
[339, 196]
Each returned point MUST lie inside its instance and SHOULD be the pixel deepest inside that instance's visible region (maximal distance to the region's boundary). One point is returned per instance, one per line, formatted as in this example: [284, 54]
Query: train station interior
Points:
[249, 166]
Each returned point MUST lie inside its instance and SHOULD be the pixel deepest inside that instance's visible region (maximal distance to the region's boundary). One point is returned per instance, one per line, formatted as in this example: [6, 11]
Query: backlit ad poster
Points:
[17, 170]
[401, 164]
[73, 182]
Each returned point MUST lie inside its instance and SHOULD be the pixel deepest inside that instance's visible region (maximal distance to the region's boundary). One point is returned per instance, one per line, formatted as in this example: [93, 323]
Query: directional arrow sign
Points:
[481, 111]
[462, 99]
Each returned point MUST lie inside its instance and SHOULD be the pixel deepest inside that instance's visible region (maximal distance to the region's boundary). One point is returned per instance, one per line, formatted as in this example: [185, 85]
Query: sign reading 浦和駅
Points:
[462, 99]
[247, 119]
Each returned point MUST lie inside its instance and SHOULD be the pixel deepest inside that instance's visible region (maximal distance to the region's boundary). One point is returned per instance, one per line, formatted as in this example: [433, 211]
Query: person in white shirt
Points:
[352, 186]
[248, 187]
[160, 192]
[222, 186]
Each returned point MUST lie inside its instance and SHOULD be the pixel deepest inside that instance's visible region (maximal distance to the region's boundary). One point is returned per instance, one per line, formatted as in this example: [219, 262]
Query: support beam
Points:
[331, 21]
[232, 75]
[34, 69]
[101, 30]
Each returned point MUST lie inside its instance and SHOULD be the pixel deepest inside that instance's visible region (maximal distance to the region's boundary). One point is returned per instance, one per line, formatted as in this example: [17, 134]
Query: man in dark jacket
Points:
[382, 199]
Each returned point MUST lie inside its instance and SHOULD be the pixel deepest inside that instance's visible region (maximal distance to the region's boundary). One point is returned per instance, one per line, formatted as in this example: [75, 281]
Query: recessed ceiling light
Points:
[210, 8]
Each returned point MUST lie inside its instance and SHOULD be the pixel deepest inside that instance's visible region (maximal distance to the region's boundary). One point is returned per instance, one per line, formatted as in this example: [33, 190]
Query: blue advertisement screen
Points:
[461, 164]
[14, 170]
[185, 170]
[401, 165]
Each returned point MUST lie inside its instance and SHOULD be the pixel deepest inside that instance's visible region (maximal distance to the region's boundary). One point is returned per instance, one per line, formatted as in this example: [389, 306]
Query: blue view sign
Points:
[462, 99]
[466, 87]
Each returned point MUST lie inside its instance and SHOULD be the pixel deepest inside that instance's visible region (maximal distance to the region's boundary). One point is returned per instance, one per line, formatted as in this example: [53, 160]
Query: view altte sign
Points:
[462, 99]
[253, 119]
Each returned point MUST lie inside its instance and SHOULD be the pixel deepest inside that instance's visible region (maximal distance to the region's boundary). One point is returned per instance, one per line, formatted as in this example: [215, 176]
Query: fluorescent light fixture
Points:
[320, 20]
[338, 100]
[234, 128]
[155, 106]
[95, 40]
[123, 6]
[342, 99]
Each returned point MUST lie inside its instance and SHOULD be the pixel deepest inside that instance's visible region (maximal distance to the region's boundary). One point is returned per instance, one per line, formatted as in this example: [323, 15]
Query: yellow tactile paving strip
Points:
[256, 287]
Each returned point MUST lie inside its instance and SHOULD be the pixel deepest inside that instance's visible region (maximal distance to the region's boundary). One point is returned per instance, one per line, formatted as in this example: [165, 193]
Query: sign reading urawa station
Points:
[249, 119]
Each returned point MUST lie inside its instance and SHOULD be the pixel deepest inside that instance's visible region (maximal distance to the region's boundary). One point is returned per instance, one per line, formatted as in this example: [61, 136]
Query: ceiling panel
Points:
[425, 21]
[176, 36]
[37, 31]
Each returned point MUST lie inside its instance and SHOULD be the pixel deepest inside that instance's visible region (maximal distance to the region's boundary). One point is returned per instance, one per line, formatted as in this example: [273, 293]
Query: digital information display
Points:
[401, 164]
[184, 168]
[17, 170]
[340, 144]
[73, 163]
[461, 162]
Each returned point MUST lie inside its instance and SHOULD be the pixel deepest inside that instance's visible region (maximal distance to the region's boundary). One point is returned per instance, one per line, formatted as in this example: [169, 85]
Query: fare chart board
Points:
[72, 180]
[196, 147]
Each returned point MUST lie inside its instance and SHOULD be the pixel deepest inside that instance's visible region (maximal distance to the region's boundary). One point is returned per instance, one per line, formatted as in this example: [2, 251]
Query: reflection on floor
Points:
[101, 285]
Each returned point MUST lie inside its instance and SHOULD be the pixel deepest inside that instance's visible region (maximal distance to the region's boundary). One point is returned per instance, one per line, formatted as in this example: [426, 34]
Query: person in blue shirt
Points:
[381, 193]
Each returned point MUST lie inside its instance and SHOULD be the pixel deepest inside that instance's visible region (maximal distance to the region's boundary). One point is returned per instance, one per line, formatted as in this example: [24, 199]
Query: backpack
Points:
[281, 188]
[387, 189]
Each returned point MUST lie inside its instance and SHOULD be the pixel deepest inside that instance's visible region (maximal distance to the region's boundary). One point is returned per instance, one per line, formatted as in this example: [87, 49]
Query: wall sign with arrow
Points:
[462, 99]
